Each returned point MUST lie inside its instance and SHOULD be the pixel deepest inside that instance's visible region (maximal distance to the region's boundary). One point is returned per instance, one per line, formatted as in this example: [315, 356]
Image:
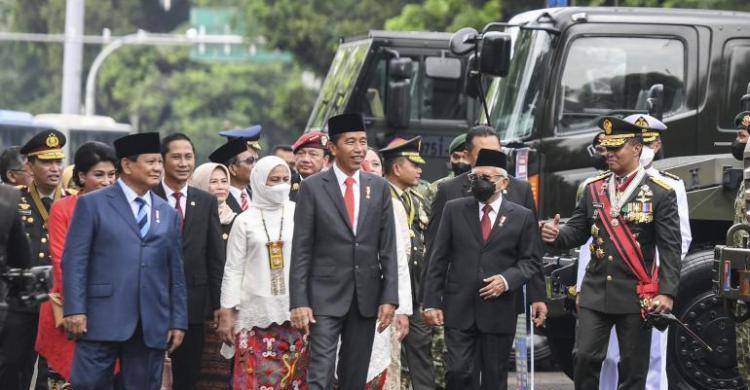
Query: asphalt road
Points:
[544, 381]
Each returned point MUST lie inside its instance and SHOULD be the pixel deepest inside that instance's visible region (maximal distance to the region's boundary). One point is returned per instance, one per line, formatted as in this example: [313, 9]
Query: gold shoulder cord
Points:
[34, 192]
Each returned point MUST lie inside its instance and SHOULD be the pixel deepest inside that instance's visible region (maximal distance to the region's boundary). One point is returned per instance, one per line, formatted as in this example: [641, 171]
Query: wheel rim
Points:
[705, 315]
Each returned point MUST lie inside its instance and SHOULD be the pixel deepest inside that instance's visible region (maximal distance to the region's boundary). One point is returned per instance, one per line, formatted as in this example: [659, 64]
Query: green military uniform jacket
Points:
[417, 220]
[609, 286]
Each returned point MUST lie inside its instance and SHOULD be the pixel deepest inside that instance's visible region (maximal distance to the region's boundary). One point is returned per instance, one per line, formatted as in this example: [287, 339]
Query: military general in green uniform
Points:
[403, 170]
[44, 160]
[629, 215]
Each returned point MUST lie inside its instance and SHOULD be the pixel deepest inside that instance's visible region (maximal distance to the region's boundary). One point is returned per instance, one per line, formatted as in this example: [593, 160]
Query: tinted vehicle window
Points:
[613, 75]
[737, 60]
[79, 137]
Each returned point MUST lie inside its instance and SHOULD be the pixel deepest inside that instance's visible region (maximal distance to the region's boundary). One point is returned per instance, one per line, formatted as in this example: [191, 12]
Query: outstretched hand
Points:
[551, 229]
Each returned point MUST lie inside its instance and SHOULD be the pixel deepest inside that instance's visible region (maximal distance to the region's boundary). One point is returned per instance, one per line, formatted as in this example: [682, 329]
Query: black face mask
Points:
[482, 189]
[599, 162]
[738, 149]
[459, 168]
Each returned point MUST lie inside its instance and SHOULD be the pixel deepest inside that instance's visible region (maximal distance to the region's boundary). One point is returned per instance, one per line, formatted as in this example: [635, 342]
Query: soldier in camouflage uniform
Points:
[742, 121]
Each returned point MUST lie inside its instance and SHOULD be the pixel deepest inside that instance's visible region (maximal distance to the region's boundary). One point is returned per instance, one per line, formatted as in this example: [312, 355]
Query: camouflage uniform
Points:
[743, 329]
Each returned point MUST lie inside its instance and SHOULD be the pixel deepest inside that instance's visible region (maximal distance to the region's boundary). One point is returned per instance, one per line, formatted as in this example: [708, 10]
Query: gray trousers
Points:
[418, 347]
[356, 334]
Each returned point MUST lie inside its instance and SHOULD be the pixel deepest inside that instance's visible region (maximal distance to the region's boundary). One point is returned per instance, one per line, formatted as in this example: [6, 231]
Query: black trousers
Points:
[470, 351]
[418, 347]
[186, 360]
[356, 334]
[17, 355]
[592, 338]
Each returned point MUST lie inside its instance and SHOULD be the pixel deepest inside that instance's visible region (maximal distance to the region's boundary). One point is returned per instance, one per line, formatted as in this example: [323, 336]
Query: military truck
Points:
[405, 84]
[553, 72]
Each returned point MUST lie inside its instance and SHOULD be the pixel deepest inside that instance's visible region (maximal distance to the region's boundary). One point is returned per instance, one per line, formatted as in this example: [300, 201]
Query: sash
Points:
[628, 248]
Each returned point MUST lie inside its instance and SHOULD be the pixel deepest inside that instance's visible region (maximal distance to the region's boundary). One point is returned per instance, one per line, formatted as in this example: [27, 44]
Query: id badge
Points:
[275, 254]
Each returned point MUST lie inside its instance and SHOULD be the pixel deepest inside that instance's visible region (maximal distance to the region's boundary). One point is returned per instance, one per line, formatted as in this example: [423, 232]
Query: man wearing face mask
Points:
[458, 162]
[484, 252]
[652, 145]
[629, 215]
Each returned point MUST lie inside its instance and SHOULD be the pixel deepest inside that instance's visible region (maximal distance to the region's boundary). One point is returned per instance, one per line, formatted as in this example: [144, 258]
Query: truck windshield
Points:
[338, 85]
[512, 100]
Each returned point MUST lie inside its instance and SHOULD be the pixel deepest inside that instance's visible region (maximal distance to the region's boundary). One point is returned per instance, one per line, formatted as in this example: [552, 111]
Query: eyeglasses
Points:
[493, 179]
[248, 161]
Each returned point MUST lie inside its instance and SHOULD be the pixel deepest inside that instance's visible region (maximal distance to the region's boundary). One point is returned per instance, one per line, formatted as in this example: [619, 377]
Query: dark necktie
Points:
[178, 206]
[47, 202]
[485, 222]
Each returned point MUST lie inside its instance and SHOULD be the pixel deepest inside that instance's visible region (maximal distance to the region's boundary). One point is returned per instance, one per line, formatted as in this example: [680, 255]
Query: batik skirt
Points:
[274, 358]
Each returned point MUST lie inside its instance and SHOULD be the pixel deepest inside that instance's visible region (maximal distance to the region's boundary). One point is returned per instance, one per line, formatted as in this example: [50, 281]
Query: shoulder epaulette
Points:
[417, 194]
[669, 175]
[601, 176]
[661, 183]
[20, 187]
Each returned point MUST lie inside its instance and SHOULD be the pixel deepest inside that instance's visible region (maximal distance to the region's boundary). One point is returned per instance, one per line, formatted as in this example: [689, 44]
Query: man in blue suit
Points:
[123, 281]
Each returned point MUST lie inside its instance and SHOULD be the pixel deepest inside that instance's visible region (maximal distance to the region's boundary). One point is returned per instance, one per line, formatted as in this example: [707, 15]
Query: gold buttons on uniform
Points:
[609, 278]
[225, 236]
[41, 255]
[610, 258]
[44, 240]
[30, 220]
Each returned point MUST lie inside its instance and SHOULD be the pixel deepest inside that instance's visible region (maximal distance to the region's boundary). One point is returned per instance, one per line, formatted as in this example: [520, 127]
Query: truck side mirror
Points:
[473, 78]
[494, 55]
[463, 41]
[656, 101]
[398, 101]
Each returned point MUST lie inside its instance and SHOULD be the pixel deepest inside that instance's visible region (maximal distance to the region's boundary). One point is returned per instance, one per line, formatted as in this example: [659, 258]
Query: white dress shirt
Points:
[173, 201]
[341, 178]
[493, 217]
[130, 195]
[237, 194]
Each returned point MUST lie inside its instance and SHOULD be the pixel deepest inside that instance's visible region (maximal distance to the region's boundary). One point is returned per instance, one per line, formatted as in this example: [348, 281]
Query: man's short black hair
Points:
[174, 137]
[390, 162]
[478, 131]
[284, 147]
[10, 160]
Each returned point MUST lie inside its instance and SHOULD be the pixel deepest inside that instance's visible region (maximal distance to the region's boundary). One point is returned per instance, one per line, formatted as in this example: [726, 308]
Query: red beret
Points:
[312, 139]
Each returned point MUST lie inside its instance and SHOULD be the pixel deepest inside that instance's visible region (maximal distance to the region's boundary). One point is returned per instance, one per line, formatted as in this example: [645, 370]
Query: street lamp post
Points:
[191, 37]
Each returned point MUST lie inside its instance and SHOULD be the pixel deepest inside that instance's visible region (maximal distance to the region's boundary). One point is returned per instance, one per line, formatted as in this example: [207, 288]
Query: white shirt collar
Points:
[168, 191]
[341, 176]
[130, 195]
[236, 192]
[495, 205]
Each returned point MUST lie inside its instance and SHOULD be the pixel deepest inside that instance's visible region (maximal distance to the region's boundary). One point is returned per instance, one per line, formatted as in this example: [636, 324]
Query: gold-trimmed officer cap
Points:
[46, 145]
[651, 128]
[617, 131]
[251, 135]
[229, 150]
[400, 147]
[742, 120]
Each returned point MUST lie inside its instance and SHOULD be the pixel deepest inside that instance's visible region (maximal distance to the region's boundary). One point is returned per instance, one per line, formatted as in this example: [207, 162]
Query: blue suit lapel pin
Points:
[158, 220]
[192, 203]
[367, 192]
[501, 221]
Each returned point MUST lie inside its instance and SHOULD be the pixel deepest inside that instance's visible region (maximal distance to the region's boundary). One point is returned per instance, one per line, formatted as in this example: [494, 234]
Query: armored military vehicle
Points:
[553, 72]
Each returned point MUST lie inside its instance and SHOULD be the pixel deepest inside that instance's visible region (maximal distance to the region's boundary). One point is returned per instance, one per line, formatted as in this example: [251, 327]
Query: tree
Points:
[446, 15]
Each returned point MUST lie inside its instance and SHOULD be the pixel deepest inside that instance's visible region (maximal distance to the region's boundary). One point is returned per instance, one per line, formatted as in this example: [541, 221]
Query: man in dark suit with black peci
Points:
[343, 269]
[516, 191]
[484, 252]
[202, 251]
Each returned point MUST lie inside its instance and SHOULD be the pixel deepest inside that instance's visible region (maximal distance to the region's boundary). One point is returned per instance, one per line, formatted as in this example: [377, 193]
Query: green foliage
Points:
[446, 15]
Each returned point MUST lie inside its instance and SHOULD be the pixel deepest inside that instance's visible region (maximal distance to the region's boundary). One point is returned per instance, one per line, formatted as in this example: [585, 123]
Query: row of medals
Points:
[640, 211]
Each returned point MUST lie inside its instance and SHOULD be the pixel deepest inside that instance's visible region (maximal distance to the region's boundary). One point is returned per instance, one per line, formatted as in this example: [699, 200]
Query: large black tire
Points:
[690, 366]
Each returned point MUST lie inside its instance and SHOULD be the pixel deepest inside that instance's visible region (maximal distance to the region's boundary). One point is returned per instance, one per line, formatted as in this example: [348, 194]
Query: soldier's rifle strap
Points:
[626, 245]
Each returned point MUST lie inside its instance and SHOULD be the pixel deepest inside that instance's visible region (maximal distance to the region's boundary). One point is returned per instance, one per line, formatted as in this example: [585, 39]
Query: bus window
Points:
[78, 137]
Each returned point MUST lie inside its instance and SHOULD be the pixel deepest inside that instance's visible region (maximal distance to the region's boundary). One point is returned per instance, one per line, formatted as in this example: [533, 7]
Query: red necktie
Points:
[243, 201]
[349, 198]
[178, 206]
[485, 222]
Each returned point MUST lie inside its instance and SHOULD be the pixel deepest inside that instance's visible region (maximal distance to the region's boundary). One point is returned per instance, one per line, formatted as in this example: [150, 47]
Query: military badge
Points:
[594, 231]
[52, 141]
[607, 126]
[599, 253]
[641, 122]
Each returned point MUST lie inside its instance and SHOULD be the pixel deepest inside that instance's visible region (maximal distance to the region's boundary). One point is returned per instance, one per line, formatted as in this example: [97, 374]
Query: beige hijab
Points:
[200, 179]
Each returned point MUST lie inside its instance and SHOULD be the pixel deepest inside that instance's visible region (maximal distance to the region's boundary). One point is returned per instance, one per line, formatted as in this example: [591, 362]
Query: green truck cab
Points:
[553, 72]
[406, 84]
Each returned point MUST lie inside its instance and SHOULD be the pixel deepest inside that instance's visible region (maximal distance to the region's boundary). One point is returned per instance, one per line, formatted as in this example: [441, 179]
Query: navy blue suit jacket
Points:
[116, 277]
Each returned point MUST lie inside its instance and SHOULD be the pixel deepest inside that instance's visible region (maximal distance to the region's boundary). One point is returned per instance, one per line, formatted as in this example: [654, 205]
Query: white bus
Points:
[18, 127]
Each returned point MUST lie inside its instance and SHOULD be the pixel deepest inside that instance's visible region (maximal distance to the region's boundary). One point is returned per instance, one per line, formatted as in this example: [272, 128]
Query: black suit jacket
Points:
[461, 260]
[203, 252]
[233, 204]
[331, 265]
[518, 191]
[608, 285]
[14, 246]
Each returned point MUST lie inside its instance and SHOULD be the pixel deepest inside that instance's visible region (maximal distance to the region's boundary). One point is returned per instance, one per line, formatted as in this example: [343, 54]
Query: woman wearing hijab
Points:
[94, 169]
[384, 372]
[215, 369]
[268, 352]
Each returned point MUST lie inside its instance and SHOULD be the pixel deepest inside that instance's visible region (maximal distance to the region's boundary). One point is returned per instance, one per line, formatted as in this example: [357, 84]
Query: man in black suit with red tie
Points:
[343, 267]
[484, 252]
[202, 251]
